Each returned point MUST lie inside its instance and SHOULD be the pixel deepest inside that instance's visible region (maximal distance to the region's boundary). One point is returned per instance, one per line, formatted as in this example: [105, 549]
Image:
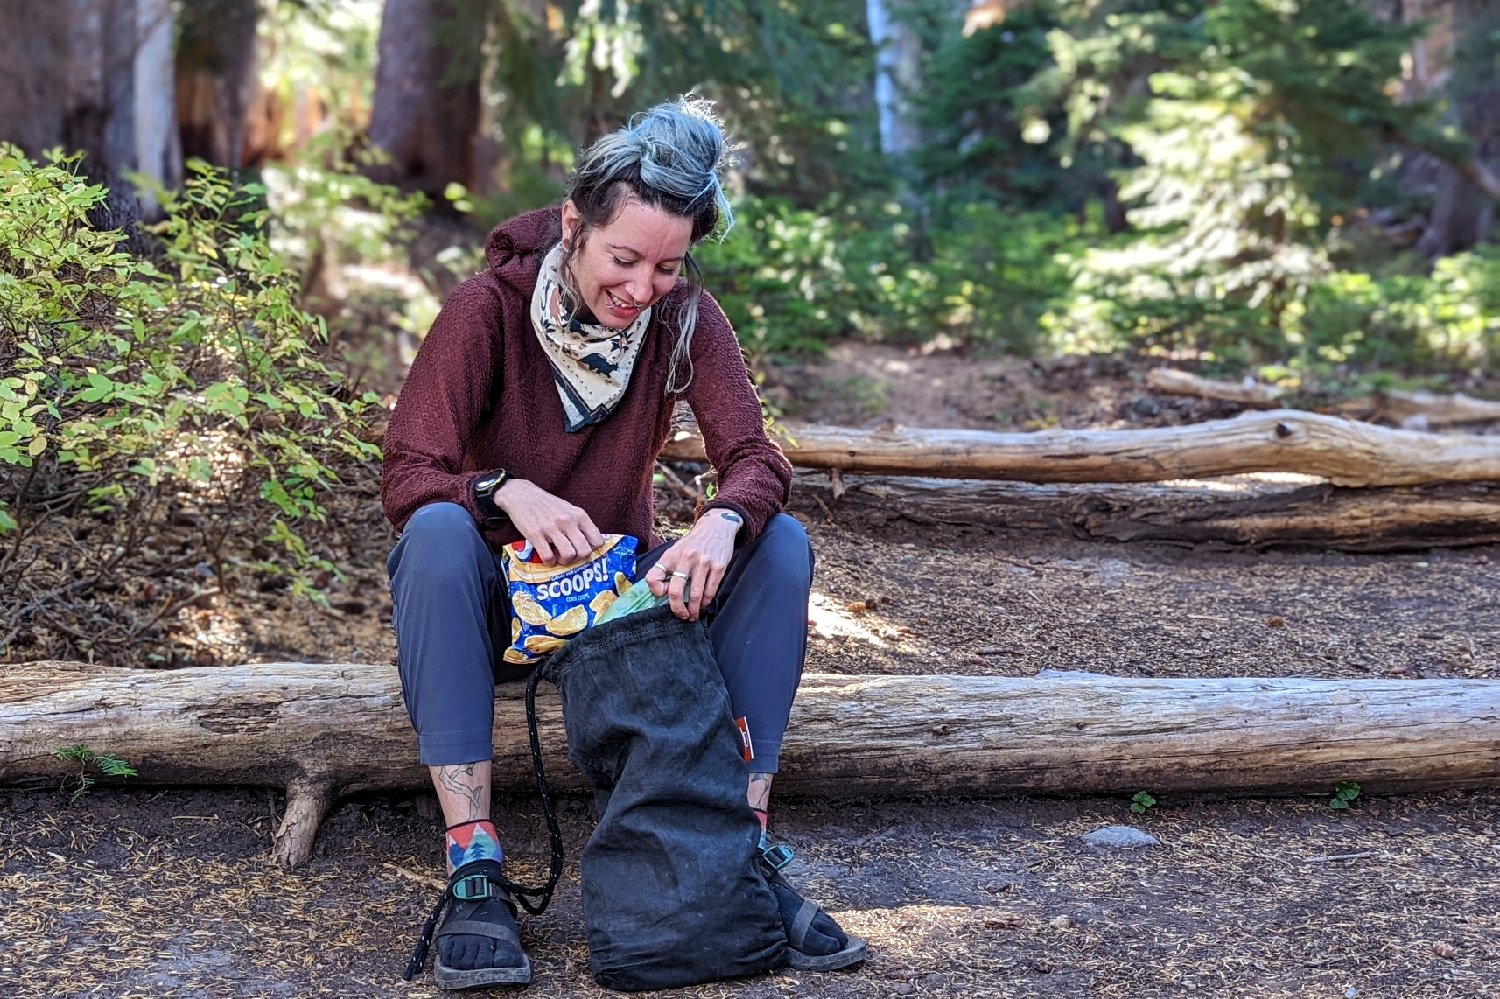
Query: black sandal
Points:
[798, 916]
[471, 886]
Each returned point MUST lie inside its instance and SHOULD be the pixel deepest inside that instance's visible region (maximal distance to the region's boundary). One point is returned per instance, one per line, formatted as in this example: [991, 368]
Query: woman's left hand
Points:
[690, 572]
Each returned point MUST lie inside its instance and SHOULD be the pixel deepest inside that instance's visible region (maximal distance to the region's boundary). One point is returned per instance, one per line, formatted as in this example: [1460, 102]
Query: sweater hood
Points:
[513, 246]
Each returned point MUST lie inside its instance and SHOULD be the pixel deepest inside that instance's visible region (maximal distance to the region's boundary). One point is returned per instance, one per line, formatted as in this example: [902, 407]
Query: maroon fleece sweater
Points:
[480, 396]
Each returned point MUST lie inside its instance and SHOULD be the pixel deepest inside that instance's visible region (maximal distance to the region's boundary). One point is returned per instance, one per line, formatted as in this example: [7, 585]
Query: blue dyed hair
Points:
[668, 158]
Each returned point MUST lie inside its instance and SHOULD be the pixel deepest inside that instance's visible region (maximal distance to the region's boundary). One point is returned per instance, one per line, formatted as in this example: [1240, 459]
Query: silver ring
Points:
[683, 575]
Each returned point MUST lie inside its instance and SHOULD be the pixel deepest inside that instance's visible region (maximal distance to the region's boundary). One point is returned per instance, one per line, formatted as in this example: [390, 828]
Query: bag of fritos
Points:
[552, 603]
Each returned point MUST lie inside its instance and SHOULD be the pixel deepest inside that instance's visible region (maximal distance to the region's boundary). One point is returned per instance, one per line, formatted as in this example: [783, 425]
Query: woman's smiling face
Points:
[626, 266]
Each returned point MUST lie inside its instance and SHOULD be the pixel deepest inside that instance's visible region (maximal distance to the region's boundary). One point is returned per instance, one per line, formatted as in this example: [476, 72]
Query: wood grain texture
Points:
[1344, 452]
[1225, 512]
[322, 730]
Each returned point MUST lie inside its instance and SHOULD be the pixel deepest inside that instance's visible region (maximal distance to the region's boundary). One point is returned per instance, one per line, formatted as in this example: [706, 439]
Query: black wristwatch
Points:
[485, 488]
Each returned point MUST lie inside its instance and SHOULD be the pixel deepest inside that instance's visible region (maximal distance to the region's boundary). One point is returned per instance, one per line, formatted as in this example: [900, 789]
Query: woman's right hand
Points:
[559, 531]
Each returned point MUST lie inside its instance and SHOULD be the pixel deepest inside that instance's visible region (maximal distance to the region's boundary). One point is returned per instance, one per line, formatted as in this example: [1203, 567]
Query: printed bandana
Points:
[590, 364]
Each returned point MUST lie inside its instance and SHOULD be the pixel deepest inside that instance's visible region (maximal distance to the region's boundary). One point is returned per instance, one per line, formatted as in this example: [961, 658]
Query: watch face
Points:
[489, 483]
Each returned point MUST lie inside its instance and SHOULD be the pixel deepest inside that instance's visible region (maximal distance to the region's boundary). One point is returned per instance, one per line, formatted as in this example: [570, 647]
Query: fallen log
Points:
[1248, 393]
[1345, 452]
[1415, 409]
[322, 730]
[1242, 511]
[1423, 409]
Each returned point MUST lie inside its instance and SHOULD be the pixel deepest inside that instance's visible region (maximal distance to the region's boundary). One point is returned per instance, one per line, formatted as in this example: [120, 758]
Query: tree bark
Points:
[93, 76]
[1226, 512]
[425, 113]
[898, 76]
[324, 730]
[1463, 209]
[216, 79]
[1456, 212]
[1344, 452]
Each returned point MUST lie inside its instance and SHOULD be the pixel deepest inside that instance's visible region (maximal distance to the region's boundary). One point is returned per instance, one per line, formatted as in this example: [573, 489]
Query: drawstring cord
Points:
[534, 899]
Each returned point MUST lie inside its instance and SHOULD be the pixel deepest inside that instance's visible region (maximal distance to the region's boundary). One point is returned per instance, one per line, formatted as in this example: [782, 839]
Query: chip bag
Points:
[552, 603]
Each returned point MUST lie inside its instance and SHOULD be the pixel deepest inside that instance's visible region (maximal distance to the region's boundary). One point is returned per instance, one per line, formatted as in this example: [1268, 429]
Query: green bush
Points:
[779, 278]
[1448, 319]
[1124, 297]
[139, 393]
[794, 279]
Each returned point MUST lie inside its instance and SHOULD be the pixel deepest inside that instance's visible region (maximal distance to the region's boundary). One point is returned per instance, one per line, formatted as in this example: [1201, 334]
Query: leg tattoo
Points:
[758, 793]
[461, 782]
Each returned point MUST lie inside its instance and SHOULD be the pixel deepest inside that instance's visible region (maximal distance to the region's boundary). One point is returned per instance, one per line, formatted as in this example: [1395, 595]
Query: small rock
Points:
[1351, 993]
[1444, 949]
[1062, 922]
[1120, 838]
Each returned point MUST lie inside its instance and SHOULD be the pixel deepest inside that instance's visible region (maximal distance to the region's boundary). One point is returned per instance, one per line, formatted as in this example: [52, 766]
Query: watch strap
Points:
[485, 488]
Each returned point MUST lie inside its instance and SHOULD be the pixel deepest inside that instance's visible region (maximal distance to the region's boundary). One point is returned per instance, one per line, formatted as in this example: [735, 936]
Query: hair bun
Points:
[682, 150]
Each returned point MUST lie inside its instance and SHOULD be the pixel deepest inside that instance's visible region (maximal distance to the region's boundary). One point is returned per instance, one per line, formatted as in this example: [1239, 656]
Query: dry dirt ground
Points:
[142, 892]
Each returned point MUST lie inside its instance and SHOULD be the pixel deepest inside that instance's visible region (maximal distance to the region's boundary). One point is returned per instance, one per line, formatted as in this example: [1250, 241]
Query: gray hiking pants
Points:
[452, 619]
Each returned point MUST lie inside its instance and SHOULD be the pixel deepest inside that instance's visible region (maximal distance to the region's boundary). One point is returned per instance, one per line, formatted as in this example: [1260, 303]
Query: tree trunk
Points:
[1226, 512]
[1454, 226]
[324, 730]
[1464, 205]
[898, 75]
[1344, 452]
[93, 76]
[425, 113]
[216, 79]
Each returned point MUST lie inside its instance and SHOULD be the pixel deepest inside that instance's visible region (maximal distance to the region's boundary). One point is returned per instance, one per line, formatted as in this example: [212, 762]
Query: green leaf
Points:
[101, 389]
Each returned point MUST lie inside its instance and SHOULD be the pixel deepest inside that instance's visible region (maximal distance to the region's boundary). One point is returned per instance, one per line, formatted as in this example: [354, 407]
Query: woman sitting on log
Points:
[534, 410]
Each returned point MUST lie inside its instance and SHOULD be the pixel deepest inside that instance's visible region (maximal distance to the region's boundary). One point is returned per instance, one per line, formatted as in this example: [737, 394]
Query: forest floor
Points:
[137, 892]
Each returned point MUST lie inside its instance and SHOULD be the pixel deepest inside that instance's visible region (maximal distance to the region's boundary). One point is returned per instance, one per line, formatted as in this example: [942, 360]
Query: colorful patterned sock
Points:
[470, 841]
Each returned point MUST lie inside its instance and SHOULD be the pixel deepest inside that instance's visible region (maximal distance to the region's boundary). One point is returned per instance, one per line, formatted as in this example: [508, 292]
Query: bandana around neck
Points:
[591, 364]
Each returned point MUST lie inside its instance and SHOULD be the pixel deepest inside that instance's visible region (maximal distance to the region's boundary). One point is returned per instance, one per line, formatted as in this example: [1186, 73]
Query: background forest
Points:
[227, 221]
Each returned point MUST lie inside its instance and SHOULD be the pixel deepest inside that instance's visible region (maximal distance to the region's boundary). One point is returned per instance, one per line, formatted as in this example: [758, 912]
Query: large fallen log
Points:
[320, 731]
[1417, 409]
[1241, 511]
[1342, 451]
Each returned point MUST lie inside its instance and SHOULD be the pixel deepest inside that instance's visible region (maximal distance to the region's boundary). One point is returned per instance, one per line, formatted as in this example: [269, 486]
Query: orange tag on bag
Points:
[747, 748]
